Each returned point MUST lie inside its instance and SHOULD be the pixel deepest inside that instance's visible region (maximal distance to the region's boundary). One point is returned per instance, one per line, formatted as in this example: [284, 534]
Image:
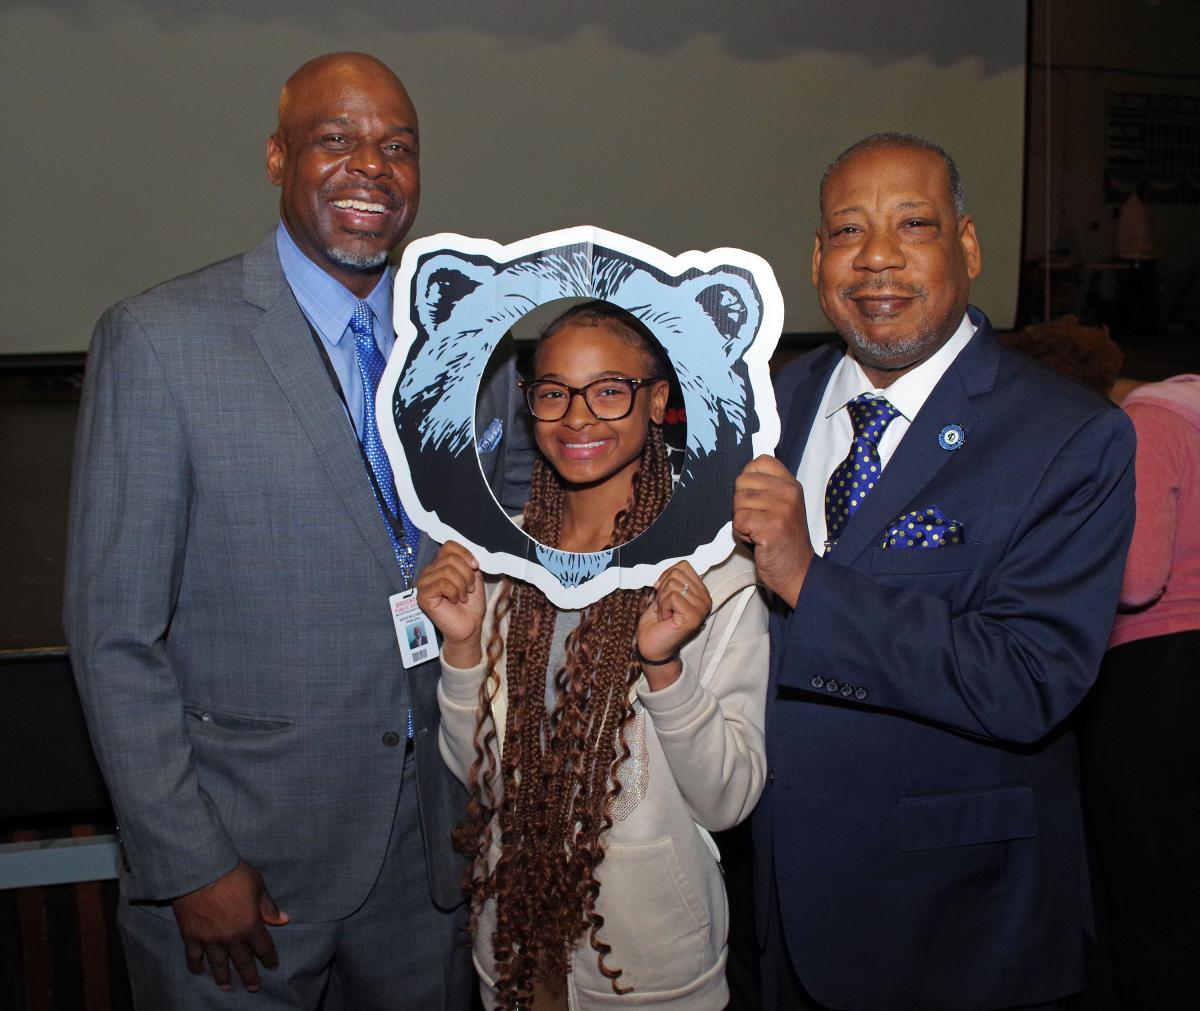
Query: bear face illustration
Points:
[718, 316]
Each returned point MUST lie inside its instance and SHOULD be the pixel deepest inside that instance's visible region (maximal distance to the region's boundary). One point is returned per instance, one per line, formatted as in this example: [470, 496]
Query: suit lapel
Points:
[919, 457]
[285, 343]
[802, 403]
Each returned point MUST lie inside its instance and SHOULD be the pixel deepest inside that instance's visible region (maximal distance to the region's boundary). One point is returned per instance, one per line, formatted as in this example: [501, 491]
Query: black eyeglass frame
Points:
[529, 387]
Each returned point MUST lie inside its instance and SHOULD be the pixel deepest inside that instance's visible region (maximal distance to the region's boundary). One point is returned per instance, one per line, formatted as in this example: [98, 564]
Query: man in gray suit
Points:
[273, 765]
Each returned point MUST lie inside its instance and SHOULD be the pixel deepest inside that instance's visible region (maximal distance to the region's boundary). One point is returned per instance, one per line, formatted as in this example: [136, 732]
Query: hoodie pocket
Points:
[656, 918]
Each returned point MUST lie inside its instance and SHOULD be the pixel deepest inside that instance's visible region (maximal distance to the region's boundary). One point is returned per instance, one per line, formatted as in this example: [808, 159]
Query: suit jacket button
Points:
[847, 691]
[391, 739]
[817, 681]
[831, 685]
[860, 693]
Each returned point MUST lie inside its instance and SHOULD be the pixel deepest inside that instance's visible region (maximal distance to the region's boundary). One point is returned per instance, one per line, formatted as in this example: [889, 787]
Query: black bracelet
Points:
[653, 663]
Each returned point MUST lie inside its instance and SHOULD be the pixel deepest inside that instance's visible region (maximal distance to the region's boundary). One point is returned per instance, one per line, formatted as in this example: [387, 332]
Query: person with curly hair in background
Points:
[1138, 744]
[600, 748]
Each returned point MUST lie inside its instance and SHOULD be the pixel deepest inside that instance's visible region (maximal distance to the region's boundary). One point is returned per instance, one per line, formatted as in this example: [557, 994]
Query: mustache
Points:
[385, 196]
[882, 284]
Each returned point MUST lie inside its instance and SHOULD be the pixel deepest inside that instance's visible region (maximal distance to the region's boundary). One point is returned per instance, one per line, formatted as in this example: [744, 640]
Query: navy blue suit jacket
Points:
[922, 821]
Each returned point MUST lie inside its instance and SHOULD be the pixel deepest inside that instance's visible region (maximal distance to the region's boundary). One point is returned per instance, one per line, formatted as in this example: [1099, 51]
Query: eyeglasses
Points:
[607, 399]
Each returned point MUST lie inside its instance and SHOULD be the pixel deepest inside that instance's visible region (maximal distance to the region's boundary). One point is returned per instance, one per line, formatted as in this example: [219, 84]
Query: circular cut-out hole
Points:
[595, 386]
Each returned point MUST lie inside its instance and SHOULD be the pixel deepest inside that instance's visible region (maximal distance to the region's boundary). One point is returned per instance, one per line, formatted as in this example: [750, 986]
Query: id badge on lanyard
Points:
[414, 631]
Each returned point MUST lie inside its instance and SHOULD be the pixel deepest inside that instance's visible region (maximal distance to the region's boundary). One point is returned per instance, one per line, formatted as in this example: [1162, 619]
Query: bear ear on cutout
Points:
[442, 282]
[733, 305]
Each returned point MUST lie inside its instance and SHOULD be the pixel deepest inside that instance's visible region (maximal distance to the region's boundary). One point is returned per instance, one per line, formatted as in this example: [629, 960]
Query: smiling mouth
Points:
[362, 206]
[881, 304]
[583, 450]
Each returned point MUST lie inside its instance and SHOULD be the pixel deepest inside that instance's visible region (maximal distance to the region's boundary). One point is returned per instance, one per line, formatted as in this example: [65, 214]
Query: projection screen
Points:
[136, 129]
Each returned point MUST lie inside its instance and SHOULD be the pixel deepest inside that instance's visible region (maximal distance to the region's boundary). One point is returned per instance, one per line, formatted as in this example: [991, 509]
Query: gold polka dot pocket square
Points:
[923, 528]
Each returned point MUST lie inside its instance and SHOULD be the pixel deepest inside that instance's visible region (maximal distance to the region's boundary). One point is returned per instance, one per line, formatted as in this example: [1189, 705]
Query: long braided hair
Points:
[549, 800]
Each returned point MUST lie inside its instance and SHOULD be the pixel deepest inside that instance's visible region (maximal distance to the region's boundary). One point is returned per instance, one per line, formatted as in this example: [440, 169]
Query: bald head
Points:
[900, 142]
[346, 156]
[329, 69]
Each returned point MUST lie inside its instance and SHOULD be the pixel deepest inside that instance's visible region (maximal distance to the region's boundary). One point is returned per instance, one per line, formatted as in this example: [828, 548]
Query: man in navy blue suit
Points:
[944, 529]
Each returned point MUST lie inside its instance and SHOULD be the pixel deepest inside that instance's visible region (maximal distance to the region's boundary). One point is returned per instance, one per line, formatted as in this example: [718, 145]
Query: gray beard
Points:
[880, 355]
[357, 261]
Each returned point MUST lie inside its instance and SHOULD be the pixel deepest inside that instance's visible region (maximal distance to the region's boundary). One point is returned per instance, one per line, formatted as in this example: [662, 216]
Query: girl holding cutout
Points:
[600, 747]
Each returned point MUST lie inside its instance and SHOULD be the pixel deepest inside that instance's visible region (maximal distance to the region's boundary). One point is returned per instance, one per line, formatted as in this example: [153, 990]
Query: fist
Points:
[450, 592]
[769, 515]
[675, 613]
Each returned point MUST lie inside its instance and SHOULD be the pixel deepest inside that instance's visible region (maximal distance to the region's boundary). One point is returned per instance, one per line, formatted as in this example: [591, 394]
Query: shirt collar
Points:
[327, 302]
[908, 393]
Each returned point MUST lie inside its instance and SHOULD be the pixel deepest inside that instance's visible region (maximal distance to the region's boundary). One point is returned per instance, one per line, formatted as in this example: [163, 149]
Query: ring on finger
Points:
[684, 591]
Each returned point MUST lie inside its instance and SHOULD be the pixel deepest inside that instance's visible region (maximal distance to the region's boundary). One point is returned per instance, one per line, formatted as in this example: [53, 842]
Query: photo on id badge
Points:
[414, 631]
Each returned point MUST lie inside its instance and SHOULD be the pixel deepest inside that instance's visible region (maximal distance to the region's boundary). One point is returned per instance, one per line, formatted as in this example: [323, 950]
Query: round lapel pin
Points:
[951, 437]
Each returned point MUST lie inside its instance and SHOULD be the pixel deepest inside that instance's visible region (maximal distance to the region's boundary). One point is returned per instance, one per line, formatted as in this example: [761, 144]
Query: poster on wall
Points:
[1152, 144]
[717, 316]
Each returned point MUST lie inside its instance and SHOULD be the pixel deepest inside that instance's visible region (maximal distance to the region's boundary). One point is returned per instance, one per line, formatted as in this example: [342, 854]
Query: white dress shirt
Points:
[832, 433]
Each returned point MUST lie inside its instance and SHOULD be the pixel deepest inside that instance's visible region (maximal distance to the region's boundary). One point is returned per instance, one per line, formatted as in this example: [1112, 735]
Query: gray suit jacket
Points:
[227, 590]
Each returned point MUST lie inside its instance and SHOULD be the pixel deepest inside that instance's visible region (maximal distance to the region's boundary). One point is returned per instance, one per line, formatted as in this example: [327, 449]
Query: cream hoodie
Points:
[699, 767]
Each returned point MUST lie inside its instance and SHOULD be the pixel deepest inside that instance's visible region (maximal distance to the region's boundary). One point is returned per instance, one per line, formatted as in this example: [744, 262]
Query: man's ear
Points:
[275, 159]
[816, 260]
[970, 246]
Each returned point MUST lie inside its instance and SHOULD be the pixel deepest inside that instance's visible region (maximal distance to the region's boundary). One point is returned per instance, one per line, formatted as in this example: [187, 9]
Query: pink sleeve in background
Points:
[1161, 458]
[1161, 591]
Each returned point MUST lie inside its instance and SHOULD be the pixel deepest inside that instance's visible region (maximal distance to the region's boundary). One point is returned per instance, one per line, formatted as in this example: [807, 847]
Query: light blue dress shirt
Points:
[329, 304]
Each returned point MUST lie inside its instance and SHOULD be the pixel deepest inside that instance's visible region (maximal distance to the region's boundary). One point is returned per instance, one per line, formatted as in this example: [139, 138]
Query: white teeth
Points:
[584, 445]
[359, 205]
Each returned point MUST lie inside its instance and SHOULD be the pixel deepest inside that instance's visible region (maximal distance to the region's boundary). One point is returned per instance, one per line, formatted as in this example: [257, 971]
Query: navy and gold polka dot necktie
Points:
[856, 475]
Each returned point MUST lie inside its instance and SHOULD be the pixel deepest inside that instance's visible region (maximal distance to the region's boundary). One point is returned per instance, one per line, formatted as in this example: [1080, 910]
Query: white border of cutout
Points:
[756, 358]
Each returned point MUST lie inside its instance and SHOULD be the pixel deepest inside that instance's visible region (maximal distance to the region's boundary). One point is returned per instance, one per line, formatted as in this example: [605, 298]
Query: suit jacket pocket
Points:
[940, 820]
[234, 723]
[920, 561]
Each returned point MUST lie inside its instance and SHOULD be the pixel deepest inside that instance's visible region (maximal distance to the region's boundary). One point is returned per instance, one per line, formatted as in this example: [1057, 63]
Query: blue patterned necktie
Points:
[856, 475]
[370, 367]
